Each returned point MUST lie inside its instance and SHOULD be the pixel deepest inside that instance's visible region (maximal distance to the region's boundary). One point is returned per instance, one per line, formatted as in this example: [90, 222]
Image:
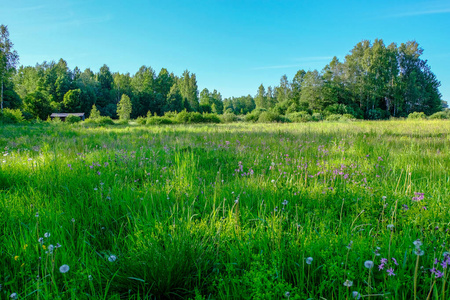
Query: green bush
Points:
[159, 120]
[211, 118]
[228, 117]
[269, 117]
[440, 115]
[104, 121]
[254, 115]
[334, 117]
[141, 120]
[299, 117]
[317, 116]
[11, 116]
[71, 119]
[416, 116]
[183, 117]
[377, 114]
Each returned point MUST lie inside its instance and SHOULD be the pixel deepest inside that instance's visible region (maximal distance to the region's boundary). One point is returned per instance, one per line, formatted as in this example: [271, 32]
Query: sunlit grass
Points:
[225, 211]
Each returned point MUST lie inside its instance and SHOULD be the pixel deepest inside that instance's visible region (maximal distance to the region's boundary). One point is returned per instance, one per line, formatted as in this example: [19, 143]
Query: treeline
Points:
[374, 81]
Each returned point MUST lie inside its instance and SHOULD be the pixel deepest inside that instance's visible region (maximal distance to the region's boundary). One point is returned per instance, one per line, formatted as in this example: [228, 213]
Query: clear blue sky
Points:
[232, 46]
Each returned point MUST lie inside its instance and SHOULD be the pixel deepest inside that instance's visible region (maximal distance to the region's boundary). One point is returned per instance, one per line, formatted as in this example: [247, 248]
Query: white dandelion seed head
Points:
[417, 243]
[356, 295]
[13, 296]
[309, 260]
[90, 277]
[285, 202]
[47, 234]
[348, 283]
[273, 180]
[112, 258]
[64, 269]
[419, 252]
[368, 264]
[287, 294]
[50, 248]
[41, 240]
[390, 226]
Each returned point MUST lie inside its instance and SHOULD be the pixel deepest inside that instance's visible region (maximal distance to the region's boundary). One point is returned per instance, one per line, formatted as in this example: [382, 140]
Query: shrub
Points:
[159, 120]
[183, 117]
[122, 122]
[254, 115]
[440, 115]
[317, 116]
[228, 117]
[269, 117]
[416, 116]
[11, 116]
[141, 120]
[300, 117]
[334, 117]
[347, 117]
[104, 121]
[211, 118]
[71, 119]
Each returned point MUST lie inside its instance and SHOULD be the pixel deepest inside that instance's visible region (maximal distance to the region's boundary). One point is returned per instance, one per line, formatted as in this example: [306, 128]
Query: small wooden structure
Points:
[63, 116]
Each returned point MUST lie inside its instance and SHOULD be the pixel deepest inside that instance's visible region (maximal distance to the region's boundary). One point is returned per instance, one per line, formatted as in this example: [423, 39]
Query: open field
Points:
[237, 211]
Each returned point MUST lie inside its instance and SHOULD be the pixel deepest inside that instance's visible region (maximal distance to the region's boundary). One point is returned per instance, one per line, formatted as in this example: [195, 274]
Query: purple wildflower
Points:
[390, 272]
[384, 260]
[395, 261]
[381, 267]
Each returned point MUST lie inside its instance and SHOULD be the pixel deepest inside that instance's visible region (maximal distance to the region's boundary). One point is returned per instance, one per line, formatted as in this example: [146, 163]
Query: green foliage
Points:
[11, 116]
[228, 117]
[124, 108]
[440, 115]
[37, 105]
[159, 120]
[95, 114]
[269, 117]
[417, 115]
[300, 117]
[71, 119]
[71, 101]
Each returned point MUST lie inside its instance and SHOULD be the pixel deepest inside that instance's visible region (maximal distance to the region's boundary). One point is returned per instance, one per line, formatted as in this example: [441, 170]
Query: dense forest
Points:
[374, 81]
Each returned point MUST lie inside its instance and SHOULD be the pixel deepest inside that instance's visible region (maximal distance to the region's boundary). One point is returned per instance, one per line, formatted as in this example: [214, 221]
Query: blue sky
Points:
[231, 46]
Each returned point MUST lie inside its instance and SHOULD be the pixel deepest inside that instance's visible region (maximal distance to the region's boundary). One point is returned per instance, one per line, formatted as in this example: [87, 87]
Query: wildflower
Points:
[419, 252]
[37, 215]
[285, 202]
[57, 245]
[349, 246]
[405, 207]
[287, 294]
[47, 234]
[41, 240]
[112, 258]
[368, 264]
[439, 274]
[90, 277]
[356, 295]
[380, 267]
[309, 260]
[13, 296]
[16, 257]
[384, 260]
[348, 283]
[390, 226]
[73, 220]
[390, 272]
[50, 248]
[64, 268]
[417, 243]
[395, 261]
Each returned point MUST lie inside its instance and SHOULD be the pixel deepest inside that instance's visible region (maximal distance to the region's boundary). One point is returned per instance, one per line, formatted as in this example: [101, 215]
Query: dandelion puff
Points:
[356, 295]
[419, 252]
[41, 240]
[309, 260]
[368, 264]
[287, 294]
[390, 226]
[47, 234]
[348, 283]
[112, 258]
[64, 269]
[13, 296]
[417, 243]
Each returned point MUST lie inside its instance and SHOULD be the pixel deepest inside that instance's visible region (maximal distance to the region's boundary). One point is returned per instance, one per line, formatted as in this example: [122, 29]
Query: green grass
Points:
[224, 211]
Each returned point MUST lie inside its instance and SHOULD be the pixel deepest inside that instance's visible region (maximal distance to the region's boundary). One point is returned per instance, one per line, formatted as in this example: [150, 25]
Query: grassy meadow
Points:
[353, 210]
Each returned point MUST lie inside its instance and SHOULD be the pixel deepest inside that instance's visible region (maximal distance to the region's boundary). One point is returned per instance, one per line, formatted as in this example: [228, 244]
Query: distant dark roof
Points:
[62, 115]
